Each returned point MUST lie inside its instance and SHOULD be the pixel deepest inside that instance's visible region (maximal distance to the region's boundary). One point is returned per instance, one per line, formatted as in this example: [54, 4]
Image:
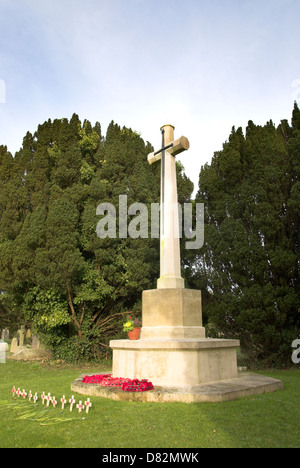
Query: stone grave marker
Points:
[21, 333]
[35, 342]
[5, 334]
[14, 345]
[3, 348]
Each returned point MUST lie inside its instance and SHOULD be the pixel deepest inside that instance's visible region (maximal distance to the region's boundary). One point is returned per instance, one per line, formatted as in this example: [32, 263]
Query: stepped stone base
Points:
[245, 385]
[175, 356]
[178, 363]
[173, 350]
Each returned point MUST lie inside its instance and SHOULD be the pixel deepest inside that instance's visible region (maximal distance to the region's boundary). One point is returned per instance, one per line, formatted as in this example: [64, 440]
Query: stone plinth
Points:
[172, 314]
[170, 363]
[173, 350]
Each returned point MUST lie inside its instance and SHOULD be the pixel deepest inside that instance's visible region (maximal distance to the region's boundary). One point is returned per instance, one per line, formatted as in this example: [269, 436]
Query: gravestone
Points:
[21, 334]
[3, 349]
[25, 353]
[35, 343]
[5, 334]
[14, 345]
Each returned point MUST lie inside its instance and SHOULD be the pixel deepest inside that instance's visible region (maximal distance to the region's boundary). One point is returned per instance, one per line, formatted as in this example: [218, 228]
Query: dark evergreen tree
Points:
[70, 285]
[250, 261]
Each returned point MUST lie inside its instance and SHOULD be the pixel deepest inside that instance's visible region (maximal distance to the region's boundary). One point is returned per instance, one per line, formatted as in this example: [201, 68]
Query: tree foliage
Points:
[250, 261]
[73, 287]
[70, 285]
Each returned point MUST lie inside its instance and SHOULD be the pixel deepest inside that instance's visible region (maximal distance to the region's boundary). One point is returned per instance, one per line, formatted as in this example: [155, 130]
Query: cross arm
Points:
[152, 157]
[176, 147]
[180, 145]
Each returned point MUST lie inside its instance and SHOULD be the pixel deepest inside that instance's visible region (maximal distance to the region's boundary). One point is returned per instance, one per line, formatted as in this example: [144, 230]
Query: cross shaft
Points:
[170, 268]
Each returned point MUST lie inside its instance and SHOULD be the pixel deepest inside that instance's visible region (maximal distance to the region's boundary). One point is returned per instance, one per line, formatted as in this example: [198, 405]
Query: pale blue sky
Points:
[202, 66]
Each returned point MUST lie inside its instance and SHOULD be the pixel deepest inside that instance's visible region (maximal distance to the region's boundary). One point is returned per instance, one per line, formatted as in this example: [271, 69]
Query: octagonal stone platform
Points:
[245, 385]
[174, 354]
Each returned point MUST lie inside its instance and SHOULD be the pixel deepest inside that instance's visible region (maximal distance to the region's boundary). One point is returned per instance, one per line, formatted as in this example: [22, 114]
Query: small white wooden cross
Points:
[54, 402]
[35, 397]
[48, 398]
[63, 402]
[13, 391]
[88, 404]
[43, 397]
[80, 406]
[24, 394]
[72, 402]
[29, 395]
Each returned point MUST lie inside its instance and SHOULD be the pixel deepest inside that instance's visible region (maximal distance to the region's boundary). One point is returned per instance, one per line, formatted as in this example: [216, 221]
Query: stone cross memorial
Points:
[171, 311]
[170, 270]
[173, 350]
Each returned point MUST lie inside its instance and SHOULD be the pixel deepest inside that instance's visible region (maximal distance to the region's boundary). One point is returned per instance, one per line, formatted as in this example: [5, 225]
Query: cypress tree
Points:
[250, 258]
[70, 285]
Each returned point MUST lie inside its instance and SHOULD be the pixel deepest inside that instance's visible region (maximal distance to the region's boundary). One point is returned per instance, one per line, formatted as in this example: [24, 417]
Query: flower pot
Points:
[134, 334]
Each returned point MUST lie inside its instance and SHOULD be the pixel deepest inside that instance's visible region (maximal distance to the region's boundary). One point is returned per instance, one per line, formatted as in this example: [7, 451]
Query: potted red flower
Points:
[132, 327]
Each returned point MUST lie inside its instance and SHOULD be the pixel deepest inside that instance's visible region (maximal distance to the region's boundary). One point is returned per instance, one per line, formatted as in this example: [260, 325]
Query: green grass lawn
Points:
[270, 420]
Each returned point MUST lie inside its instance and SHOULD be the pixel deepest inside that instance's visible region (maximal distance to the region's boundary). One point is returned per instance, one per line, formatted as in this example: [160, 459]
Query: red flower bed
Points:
[127, 385]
